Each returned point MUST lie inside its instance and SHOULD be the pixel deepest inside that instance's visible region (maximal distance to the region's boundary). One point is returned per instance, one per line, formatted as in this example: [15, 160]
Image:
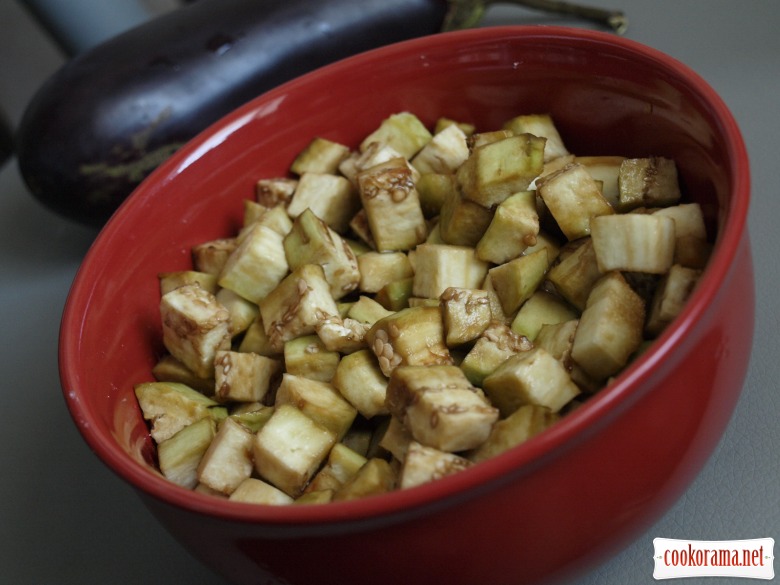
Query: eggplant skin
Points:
[110, 116]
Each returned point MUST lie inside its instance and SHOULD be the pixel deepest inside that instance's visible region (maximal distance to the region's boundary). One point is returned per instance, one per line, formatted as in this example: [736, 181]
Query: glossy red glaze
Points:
[543, 510]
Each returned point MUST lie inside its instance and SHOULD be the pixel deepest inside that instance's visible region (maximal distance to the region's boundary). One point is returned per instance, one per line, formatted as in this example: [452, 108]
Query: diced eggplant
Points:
[523, 424]
[466, 314]
[320, 156]
[444, 153]
[404, 132]
[541, 125]
[360, 380]
[256, 491]
[413, 336]
[195, 326]
[515, 281]
[541, 308]
[648, 182]
[243, 376]
[439, 267]
[574, 198]
[496, 345]
[530, 377]
[392, 205]
[496, 170]
[512, 229]
[170, 406]
[440, 407]
[374, 478]
[228, 460]
[634, 242]
[257, 265]
[307, 356]
[610, 327]
[423, 464]
[332, 198]
[297, 304]
[290, 448]
[312, 241]
[180, 455]
[320, 401]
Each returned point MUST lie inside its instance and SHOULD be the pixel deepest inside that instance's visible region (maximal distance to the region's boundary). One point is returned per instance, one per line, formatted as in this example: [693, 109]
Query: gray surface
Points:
[64, 518]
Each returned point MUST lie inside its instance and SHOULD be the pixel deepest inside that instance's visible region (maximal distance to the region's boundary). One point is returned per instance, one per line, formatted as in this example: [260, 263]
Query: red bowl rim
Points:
[470, 482]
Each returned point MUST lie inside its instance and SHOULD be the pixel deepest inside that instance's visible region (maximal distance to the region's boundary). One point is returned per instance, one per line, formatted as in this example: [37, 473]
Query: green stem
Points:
[468, 13]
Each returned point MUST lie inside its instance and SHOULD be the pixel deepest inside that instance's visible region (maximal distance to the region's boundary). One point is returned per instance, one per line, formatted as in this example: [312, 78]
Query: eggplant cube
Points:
[377, 269]
[173, 280]
[412, 336]
[210, 257]
[403, 131]
[342, 335]
[466, 314]
[311, 241]
[373, 154]
[297, 305]
[243, 376]
[195, 326]
[257, 265]
[574, 198]
[373, 478]
[523, 424]
[605, 169]
[256, 491]
[462, 222]
[392, 205]
[542, 308]
[171, 406]
[648, 182]
[610, 327]
[242, 312]
[367, 310]
[331, 197]
[513, 228]
[275, 191]
[496, 344]
[515, 281]
[496, 170]
[320, 156]
[441, 266]
[670, 297]
[540, 125]
[290, 448]
[308, 357]
[424, 464]
[180, 455]
[576, 273]
[445, 152]
[634, 242]
[359, 379]
[320, 401]
[228, 460]
[396, 439]
[275, 217]
[691, 248]
[440, 407]
[531, 377]
[342, 465]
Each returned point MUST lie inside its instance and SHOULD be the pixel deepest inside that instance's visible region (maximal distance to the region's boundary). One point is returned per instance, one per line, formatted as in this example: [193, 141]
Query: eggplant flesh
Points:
[111, 115]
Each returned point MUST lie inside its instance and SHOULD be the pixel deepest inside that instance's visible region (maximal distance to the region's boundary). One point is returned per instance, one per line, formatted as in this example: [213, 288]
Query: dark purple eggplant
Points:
[112, 114]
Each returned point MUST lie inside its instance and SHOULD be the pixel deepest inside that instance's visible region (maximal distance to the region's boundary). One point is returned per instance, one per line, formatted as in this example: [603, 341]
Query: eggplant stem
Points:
[468, 13]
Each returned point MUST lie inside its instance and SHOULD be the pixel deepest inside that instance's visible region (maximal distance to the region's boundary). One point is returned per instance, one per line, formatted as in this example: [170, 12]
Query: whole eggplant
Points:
[111, 115]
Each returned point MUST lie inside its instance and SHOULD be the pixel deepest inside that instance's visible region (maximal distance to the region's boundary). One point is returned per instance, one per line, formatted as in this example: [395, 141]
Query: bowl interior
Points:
[607, 95]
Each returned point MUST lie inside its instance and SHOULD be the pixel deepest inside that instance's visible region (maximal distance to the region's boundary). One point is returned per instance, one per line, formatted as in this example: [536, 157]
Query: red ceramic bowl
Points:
[543, 510]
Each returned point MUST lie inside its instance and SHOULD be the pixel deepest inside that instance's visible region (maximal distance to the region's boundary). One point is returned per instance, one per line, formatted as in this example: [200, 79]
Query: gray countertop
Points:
[65, 518]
